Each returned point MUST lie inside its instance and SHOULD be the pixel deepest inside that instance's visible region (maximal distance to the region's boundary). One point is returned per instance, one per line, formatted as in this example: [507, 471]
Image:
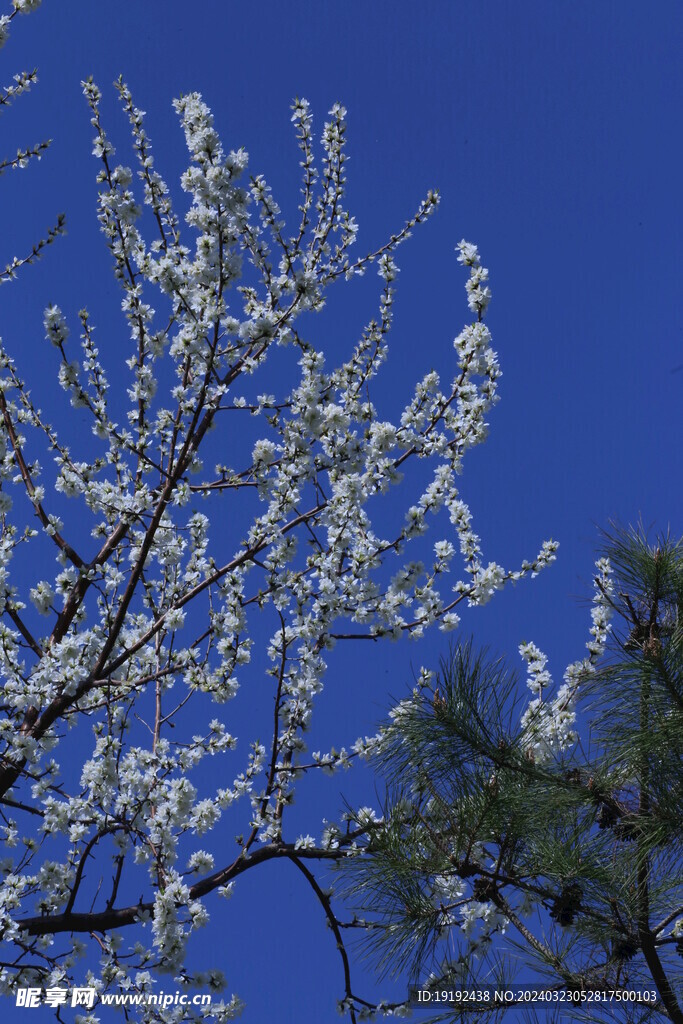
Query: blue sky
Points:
[551, 131]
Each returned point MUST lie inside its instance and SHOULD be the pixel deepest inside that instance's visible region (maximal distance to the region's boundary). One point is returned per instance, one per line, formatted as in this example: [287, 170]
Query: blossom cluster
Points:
[549, 723]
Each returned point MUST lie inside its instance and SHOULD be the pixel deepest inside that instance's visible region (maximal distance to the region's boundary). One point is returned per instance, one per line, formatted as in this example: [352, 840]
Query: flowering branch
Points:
[151, 632]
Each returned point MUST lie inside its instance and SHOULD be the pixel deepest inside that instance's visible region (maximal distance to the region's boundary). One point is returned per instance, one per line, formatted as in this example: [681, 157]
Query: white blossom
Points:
[26, 6]
[56, 329]
[42, 596]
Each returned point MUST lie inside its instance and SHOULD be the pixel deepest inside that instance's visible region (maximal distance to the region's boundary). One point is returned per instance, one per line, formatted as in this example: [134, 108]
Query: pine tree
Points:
[546, 845]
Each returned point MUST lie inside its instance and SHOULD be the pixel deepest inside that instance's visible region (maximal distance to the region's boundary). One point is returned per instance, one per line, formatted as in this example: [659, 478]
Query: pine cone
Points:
[484, 889]
[565, 905]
